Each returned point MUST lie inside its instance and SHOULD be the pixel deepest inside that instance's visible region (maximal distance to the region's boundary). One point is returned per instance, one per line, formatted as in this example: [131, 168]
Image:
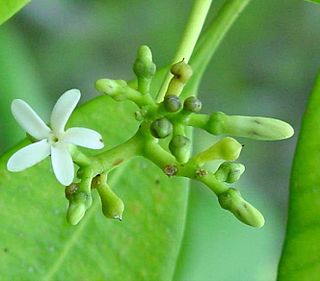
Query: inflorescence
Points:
[168, 119]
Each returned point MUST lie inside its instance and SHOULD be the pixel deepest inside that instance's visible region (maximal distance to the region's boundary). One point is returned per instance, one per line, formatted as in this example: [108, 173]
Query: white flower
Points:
[54, 141]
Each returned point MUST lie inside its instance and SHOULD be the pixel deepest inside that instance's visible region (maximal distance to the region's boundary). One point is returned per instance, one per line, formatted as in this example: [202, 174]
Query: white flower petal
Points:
[83, 137]
[63, 109]
[29, 120]
[62, 164]
[28, 156]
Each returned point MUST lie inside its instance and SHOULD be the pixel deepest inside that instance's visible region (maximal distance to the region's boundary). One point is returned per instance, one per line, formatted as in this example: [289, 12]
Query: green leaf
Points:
[300, 258]
[9, 7]
[37, 243]
[314, 1]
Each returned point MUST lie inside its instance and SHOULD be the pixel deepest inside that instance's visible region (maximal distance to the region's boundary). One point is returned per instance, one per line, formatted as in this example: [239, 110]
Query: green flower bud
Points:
[112, 205]
[192, 104]
[75, 212]
[226, 149]
[79, 202]
[181, 71]
[143, 66]
[180, 147]
[172, 103]
[229, 172]
[232, 201]
[161, 128]
[117, 89]
[259, 128]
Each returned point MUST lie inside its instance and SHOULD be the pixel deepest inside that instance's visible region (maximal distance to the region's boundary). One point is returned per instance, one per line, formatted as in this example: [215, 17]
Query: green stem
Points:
[109, 159]
[191, 34]
[164, 160]
[213, 36]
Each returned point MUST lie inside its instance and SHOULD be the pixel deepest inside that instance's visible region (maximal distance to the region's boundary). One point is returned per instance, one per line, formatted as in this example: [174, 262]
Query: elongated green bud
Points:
[181, 74]
[117, 89]
[75, 213]
[78, 203]
[172, 103]
[143, 66]
[112, 205]
[232, 201]
[259, 128]
[226, 149]
[180, 147]
[161, 128]
[229, 172]
[192, 104]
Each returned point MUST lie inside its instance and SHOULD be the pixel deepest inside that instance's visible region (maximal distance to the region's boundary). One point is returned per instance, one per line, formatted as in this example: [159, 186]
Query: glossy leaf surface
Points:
[300, 259]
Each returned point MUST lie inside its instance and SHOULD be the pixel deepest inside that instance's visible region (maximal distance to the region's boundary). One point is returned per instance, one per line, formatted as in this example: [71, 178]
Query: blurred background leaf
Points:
[9, 7]
[19, 78]
[265, 66]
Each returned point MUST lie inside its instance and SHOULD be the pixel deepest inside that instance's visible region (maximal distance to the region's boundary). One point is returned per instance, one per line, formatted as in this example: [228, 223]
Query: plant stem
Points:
[213, 36]
[191, 34]
[107, 160]
[164, 160]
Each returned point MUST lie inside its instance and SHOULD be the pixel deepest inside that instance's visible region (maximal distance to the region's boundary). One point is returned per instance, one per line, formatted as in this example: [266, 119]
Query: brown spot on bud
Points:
[70, 190]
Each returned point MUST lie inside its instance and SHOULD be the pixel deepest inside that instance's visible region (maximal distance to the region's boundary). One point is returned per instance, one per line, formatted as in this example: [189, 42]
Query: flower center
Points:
[53, 139]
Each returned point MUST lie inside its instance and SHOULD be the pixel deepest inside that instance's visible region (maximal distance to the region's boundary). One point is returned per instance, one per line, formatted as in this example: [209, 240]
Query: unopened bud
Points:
[232, 201]
[181, 71]
[75, 212]
[117, 89]
[143, 66]
[79, 202]
[172, 103]
[192, 104]
[180, 147]
[259, 128]
[112, 205]
[226, 149]
[161, 128]
[229, 172]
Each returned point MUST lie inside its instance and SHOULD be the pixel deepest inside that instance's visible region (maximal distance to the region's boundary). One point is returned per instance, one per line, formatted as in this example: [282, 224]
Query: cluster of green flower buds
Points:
[79, 197]
[169, 120]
